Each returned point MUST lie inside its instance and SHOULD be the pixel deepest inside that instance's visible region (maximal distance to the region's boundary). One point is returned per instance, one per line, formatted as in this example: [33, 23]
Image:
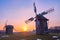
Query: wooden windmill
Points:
[8, 28]
[41, 21]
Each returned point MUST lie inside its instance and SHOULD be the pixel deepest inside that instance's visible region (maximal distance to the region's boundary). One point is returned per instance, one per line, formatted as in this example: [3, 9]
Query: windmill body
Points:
[9, 29]
[42, 27]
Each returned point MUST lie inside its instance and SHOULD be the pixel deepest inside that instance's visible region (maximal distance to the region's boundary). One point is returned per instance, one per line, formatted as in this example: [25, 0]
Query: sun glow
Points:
[25, 28]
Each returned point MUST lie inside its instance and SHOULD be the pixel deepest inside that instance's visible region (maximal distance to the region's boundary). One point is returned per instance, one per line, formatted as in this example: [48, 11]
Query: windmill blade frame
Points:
[47, 11]
[30, 19]
[35, 9]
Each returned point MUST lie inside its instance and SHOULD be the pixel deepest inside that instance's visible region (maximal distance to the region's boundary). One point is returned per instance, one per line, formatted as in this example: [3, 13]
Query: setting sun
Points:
[25, 29]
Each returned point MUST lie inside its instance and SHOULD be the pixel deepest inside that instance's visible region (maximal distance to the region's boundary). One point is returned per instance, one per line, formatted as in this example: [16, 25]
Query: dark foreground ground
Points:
[26, 36]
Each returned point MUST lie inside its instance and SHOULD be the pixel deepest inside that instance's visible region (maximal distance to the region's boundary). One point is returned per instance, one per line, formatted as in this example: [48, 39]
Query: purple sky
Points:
[17, 11]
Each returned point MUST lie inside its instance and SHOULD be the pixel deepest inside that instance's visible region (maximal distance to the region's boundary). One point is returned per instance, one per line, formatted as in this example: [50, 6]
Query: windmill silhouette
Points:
[8, 28]
[40, 20]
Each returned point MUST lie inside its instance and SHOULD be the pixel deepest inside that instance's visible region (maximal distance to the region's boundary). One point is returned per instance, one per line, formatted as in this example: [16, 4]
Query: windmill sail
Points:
[30, 19]
[50, 10]
[47, 11]
[35, 8]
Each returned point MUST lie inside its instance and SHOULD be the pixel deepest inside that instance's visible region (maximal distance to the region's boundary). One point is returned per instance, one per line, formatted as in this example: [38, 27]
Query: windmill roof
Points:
[41, 17]
[9, 26]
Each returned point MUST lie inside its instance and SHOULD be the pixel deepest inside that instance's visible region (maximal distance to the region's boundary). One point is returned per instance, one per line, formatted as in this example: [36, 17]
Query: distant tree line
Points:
[55, 29]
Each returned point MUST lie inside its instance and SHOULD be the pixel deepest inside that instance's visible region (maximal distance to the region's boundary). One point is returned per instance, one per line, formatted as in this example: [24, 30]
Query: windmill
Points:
[41, 21]
[8, 28]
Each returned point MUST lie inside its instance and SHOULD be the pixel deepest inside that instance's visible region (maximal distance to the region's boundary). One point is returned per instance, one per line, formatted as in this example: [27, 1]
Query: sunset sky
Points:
[17, 11]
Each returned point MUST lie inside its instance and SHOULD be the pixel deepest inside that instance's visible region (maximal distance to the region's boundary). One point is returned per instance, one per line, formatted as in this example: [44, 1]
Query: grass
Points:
[30, 37]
